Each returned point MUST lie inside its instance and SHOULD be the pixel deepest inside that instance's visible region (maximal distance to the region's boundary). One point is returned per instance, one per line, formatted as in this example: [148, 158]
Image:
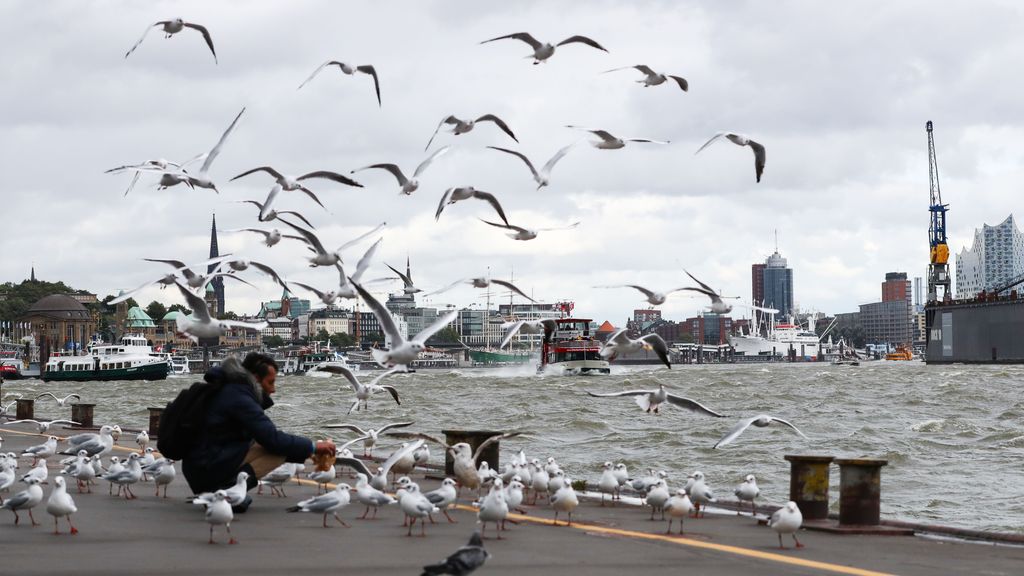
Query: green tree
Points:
[322, 336]
[229, 315]
[273, 341]
[374, 337]
[447, 335]
[341, 340]
[156, 310]
[180, 308]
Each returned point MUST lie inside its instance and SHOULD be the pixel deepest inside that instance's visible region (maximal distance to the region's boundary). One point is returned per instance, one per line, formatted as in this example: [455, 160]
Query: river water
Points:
[953, 435]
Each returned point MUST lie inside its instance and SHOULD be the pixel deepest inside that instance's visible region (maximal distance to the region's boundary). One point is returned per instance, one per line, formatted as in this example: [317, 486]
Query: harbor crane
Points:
[938, 266]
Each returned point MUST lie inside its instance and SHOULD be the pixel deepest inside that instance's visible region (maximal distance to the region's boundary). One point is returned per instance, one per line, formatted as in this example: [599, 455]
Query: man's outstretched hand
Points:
[324, 455]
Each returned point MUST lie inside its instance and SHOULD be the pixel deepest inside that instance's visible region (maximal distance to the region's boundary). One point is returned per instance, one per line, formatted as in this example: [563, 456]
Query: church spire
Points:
[32, 278]
[217, 283]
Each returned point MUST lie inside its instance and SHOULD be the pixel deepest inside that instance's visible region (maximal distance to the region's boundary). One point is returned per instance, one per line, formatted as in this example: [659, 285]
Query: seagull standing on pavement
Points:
[678, 507]
[741, 140]
[60, 504]
[564, 500]
[328, 503]
[42, 451]
[544, 50]
[787, 520]
[172, 27]
[747, 492]
[218, 513]
[27, 499]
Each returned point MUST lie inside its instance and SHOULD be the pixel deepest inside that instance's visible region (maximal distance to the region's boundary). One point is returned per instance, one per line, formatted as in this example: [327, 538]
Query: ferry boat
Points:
[130, 359]
[179, 366]
[571, 347]
[327, 359]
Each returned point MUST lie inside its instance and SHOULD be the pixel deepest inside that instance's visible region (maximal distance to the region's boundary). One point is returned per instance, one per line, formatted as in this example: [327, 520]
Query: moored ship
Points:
[130, 359]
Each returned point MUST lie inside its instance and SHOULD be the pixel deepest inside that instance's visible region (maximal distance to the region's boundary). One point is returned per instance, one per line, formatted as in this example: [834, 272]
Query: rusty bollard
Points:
[154, 421]
[474, 438]
[860, 491]
[808, 485]
[25, 409]
[82, 413]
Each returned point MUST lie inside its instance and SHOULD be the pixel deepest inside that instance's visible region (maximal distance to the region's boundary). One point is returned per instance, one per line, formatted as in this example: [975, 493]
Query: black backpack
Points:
[184, 419]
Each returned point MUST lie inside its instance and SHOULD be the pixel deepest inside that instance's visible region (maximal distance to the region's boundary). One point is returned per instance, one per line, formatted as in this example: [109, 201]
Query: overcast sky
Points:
[837, 92]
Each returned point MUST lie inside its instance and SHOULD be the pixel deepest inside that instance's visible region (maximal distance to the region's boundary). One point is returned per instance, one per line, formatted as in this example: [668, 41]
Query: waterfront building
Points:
[139, 322]
[891, 320]
[59, 322]
[331, 320]
[288, 306]
[778, 285]
[708, 328]
[995, 257]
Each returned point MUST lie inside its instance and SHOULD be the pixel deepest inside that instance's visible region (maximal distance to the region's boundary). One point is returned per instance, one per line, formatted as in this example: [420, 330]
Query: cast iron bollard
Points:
[25, 409]
[474, 438]
[808, 485]
[82, 413]
[154, 421]
[860, 490]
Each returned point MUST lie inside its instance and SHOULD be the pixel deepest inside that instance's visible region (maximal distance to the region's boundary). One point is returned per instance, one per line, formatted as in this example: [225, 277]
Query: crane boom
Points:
[938, 267]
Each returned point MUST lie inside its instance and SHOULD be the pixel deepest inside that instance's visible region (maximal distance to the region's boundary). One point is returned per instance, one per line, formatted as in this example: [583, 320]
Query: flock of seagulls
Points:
[497, 493]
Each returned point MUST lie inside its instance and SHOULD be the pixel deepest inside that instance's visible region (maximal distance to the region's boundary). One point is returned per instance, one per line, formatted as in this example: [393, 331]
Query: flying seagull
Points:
[652, 78]
[402, 351]
[653, 298]
[271, 237]
[345, 288]
[290, 183]
[453, 195]
[610, 142]
[482, 282]
[363, 391]
[543, 51]
[349, 70]
[409, 288]
[370, 435]
[760, 421]
[651, 400]
[267, 213]
[201, 324]
[520, 233]
[544, 176]
[525, 327]
[741, 140]
[241, 265]
[172, 27]
[201, 179]
[717, 305]
[621, 343]
[322, 257]
[408, 186]
[193, 279]
[462, 126]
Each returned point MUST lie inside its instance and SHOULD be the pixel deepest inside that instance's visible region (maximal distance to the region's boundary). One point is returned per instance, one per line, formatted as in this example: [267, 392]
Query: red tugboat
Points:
[571, 347]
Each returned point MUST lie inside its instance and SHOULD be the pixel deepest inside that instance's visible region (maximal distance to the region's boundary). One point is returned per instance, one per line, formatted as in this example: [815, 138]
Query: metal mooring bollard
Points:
[808, 485]
[82, 413]
[860, 491]
[25, 409]
[154, 421]
[474, 438]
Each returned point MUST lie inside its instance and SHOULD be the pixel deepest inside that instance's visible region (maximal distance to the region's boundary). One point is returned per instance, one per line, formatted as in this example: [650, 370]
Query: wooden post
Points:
[82, 413]
[808, 485]
[25, 409]
[154, 421]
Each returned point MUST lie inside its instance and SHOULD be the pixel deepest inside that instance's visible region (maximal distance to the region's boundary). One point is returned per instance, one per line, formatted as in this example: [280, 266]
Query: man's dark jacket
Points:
[235, 419]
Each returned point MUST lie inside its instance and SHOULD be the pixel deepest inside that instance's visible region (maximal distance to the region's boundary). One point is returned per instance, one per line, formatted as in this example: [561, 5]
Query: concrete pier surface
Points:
[152, 535]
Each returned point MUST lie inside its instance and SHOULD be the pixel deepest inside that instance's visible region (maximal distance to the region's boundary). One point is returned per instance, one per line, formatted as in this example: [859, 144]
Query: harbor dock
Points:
[157, 536]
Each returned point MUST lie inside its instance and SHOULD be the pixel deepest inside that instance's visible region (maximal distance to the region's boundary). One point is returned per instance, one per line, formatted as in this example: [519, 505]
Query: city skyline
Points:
[848, 192]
